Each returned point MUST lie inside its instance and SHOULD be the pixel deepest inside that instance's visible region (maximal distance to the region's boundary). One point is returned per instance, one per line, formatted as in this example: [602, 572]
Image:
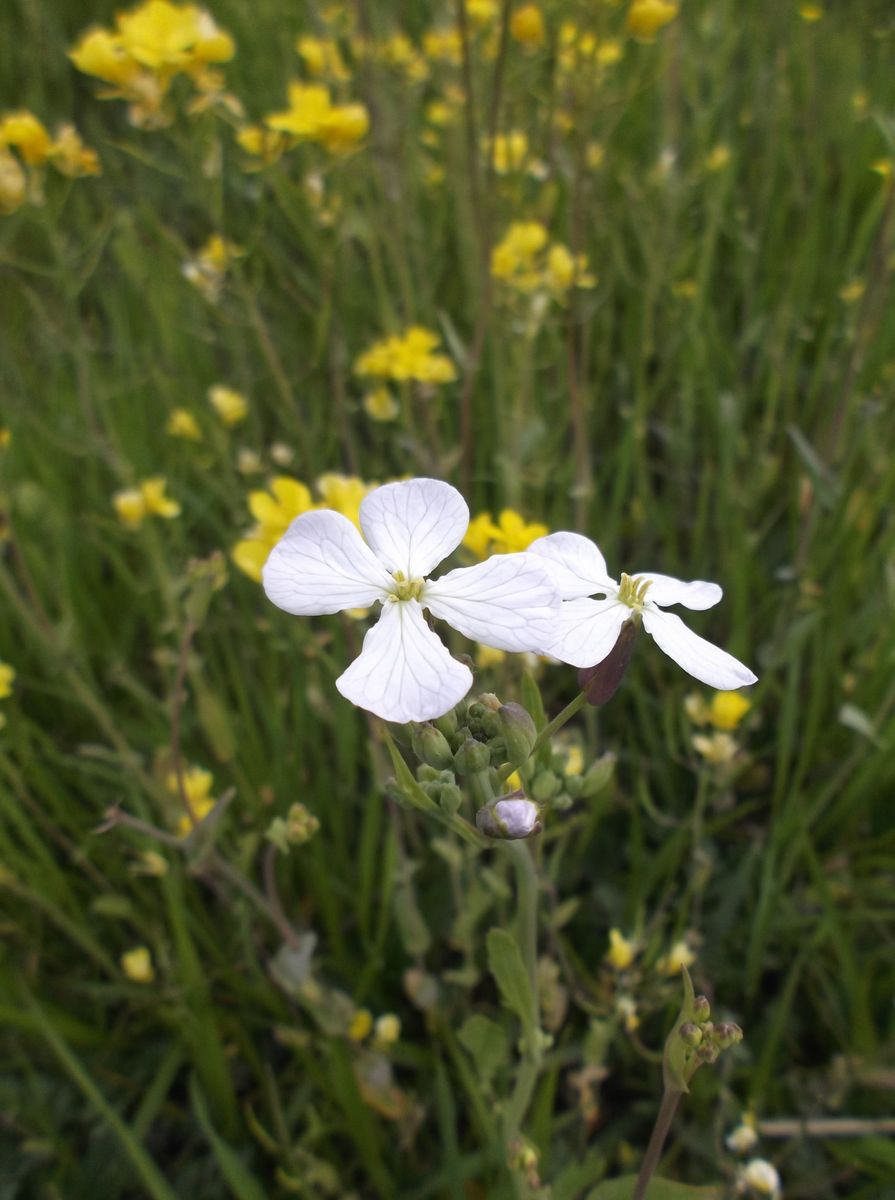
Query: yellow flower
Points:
[513, 782]
[27, 134]
[853, 291]
[344, 494]
[811, 12]
[361, 1024]
[182, 424]
[647, 17]
[311, 116]
[407, 356]
[481, 532]
[159, 34]
[13, 182]
[527, 25]
[267, 145]
[380, 404]
[883, 167]
[274, 511]
[5, 437]
[231, 406]
[443, 45]
[718, 158]
[719, 749]
[627, 1010]
[130, 506]
[321, 57]
[102, 54]
[727, 709]
[387, 1029]
[510, 151]
[7, 678]
[197, 785]
[482, 12]
[679, 956]
[565, 270]
[157, 504]
[207, 271]
[621, 952]
[70, 156]
[696, 708]
[488, 656]
[137, 965]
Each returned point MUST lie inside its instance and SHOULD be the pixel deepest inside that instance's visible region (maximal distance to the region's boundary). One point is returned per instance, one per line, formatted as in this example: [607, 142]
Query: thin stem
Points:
[548, 731]
[527, 937]
[657, 1140]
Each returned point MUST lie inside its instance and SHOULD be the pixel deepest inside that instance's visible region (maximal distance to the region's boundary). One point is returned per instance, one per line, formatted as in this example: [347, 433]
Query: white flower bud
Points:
[512, 817]
[742, 1139]
[761, 1178]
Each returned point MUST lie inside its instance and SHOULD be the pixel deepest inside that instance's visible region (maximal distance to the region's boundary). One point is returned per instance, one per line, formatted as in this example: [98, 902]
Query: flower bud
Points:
[472, 757]
[602, 681]
[431, 746]
[598, 776]
[450, 798]
[701, 1008]
[761, 1177]
[510, 817]
[691, 1034]
[545, 785]
[519, 732]
[447, 724]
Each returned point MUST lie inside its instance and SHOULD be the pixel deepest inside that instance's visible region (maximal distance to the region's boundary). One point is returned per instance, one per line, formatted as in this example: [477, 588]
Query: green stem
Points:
[527, 937]
[657, 1140]
[548, 731]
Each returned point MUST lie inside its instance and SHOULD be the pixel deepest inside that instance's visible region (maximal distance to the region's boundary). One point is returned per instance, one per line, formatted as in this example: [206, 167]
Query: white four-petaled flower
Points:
[404, 671]
[587, 628]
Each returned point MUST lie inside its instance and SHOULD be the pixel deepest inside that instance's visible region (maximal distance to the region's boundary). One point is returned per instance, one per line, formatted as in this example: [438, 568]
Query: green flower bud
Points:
[702, 1010]
[450, 798]
[519, 732]
[691, 1033]
[545, 785]
[427, 774]
[575, 786]
[598, 776]
[471, 757]
[431, 746]
[447, 724]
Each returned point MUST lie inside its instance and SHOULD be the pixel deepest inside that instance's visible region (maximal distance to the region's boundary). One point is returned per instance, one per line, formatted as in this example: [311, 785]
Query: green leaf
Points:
[506, 965]
[239, 1179]
[487, 1044]
[658, 1189]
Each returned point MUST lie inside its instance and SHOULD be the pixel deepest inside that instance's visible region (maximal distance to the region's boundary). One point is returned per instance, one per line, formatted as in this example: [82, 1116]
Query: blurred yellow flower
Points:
[508, 535]
[387, 1029]
[509, 152]
[5, 437]
[274, 511]
[267, 145]
[626, 1008]
[407, 356]
[718, 748]
[24, 131]
[647, 17]
[321, 56]
[311, 116]
[380, 404]
[197, 785]
[811, 12]
[361, 1024]
[13, 182]
[208, 270]
[850, 292]
[182, 424]
[527, 26]
[718, 157]
[146, 500]
[488, 656]
[518, 261]
[70, 156]
[679, 956]
[621, 952]
[249, 461]
[344, 494]
[164, 36]
[727, 709]
[883, 167]
[443, 45]
[7, 678]
[231, 406]
[102, 54]
[565, 270]
[137, 965]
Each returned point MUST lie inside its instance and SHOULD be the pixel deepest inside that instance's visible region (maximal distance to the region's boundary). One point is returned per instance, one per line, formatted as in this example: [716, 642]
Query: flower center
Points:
[633, 591]
[404, 588]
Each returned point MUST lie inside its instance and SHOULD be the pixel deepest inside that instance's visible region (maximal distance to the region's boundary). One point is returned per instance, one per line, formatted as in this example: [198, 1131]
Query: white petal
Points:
[576, 563]
[586, 630]
[413, 525]
[665, 590]
[699, 658]
[404, 672]
[509, 601]
[322, 565]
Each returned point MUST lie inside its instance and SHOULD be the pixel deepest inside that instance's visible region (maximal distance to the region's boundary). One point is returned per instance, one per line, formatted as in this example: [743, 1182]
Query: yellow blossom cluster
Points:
[386, 1029]
[148, 499]
[20, 172]
[312, 117]
[525, 261]
[647, 17]
[579, 52]
[508, 535]
[7, 678]
[147, 48]
[137, 965]
[277, 507]
[196, 785]
[407, 356]
[207, 270]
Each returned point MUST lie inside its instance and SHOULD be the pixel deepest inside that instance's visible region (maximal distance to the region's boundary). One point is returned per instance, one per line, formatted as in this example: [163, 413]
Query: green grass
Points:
[740, 433]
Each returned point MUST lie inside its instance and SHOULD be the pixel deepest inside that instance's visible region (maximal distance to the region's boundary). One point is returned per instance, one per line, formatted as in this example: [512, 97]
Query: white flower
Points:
[404, 672]
[760, 1178]
[512, 817]
[742, 1139]
[588, 629]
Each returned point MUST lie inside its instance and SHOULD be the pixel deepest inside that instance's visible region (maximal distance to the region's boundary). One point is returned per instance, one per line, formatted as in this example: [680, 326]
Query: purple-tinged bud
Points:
[511, 817]
[702, 1010]
[691, 1033]
[601, 682]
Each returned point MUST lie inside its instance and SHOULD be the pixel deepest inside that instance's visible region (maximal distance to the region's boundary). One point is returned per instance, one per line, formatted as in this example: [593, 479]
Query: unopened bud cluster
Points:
[468, 749]
[297, 827]
[704, 1038]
